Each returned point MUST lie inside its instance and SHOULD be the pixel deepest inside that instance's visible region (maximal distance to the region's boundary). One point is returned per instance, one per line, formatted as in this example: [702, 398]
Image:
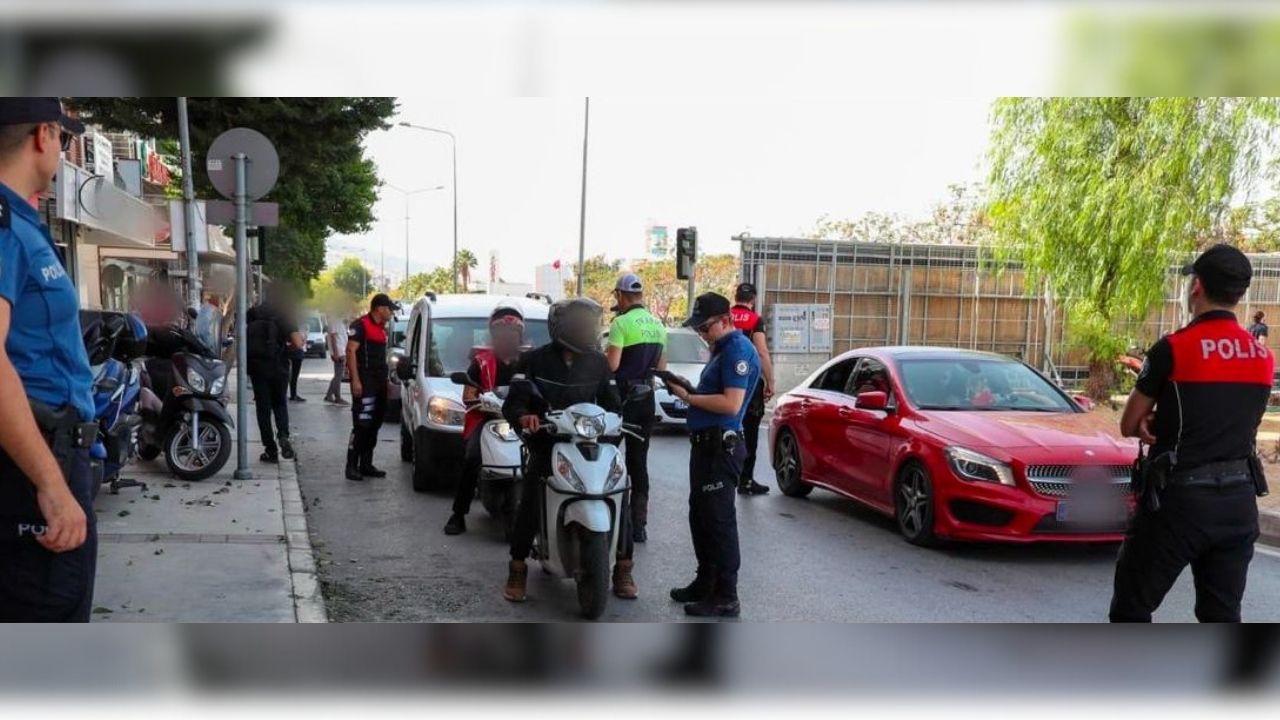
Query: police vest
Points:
[745, 319]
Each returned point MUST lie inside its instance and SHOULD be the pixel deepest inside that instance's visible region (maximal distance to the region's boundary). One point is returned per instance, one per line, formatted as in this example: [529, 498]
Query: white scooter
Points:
[501, 456]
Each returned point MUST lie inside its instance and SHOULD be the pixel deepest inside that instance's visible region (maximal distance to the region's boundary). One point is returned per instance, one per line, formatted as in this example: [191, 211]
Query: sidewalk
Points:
[218, 550]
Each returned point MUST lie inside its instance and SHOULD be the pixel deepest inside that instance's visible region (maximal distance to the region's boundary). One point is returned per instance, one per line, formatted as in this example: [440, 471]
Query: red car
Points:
[955, 445]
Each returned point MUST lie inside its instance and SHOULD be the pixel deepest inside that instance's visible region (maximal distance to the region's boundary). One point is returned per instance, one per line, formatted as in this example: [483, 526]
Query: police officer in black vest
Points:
[1208, 385]
[48, 540]
[367, 359]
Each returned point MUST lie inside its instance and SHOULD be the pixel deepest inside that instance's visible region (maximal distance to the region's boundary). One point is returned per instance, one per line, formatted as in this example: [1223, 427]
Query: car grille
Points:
[1055, 480]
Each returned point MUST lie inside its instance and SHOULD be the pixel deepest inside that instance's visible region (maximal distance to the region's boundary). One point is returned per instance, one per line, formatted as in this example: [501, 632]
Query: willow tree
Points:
[1096, 197]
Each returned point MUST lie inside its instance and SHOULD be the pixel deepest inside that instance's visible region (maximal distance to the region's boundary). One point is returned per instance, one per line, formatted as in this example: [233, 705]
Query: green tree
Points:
[466, 262]
[327, 185]
[598, 279]
[1096, 197]
[960, 219]
[439, 280]
[351, 276]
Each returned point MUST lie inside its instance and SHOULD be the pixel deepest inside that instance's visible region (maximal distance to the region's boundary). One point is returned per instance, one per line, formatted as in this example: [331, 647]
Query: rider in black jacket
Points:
[568, 370]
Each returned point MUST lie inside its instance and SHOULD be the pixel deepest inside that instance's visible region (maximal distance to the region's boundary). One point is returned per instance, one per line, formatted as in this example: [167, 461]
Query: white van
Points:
[441, 333]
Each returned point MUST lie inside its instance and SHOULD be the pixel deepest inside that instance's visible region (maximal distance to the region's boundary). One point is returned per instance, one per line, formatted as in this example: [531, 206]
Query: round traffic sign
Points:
[262, 164]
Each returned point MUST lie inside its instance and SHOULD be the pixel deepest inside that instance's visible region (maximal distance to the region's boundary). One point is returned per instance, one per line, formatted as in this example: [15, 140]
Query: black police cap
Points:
[22, 110]
[707, 306]
[1222, 268]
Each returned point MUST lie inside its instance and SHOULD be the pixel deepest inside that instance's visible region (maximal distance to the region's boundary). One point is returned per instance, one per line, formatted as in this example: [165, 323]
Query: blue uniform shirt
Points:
[44, 343]
[734, 364]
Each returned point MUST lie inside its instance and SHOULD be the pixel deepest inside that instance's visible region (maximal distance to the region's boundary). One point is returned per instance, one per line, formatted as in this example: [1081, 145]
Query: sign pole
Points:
[242, 300]
[189, 207]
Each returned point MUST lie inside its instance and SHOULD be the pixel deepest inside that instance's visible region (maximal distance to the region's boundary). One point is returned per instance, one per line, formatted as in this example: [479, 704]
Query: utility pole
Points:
[189, 206]
[582, 214]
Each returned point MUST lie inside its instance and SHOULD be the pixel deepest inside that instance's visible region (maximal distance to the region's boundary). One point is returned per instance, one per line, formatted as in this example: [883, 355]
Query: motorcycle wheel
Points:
[148, 452]
[593, 572]
[188, 463]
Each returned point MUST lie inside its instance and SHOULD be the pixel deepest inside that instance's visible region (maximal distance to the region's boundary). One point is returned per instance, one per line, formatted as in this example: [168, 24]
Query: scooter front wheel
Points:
[593, 572]
[198, 460]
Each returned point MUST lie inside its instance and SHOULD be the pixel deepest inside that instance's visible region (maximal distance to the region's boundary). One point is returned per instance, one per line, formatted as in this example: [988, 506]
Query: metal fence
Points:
[949, 295]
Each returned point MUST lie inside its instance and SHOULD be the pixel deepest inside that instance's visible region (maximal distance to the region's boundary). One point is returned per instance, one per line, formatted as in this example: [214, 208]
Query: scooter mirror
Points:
[460, 378]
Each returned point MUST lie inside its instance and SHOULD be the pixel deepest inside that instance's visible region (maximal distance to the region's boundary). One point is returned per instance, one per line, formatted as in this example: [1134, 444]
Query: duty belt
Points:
[62, 424]
[1227, 473]
[726, 438]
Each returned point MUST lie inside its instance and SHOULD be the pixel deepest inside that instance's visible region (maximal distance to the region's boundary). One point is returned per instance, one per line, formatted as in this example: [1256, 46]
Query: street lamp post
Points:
[453, 143]
[407, 194]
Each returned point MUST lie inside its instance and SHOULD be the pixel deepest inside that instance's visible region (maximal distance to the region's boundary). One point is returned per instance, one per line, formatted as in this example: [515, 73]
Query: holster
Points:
[64, 433]
[1259, 473]
[1150, 477]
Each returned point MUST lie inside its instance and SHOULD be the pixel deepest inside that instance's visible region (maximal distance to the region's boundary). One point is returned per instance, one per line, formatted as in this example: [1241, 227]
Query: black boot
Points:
[699, 589]
[286, 448]
[750, 487]
[456, 526]
[713, 608]
[353, 466]
[373, 472]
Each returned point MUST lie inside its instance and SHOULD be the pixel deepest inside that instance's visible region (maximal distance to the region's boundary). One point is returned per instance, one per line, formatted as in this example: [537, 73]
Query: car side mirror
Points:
[405, 370]
[192, 313]
[873, 400]
[1085, 402]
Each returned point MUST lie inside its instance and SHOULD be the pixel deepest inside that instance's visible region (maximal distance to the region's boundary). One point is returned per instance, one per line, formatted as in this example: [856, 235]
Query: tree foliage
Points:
[466, 262]
[958, 220]
[351, 276]
[1095, 197]
[598, 279]
[439, 280]
[326, 184]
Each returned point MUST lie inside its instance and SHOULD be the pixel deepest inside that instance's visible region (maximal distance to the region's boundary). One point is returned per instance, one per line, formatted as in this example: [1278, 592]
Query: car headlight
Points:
[503, 431]
[216, 388]
[588, 426]
[393, 362]
[972, 465]
[195, 380]
[617, 471]
[443, 411]
[566, 471]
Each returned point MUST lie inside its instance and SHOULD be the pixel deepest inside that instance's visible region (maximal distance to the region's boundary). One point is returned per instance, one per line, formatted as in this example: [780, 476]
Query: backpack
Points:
[262, 337]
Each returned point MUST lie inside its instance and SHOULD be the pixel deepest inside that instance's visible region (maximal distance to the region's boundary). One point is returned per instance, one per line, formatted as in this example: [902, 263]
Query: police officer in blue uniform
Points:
[716, 409]
[48, 542]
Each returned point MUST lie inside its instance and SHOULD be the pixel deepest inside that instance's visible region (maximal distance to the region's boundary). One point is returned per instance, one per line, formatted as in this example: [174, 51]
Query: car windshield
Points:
[453, 338]
[686, 347]
[979, 384]
[315, 325]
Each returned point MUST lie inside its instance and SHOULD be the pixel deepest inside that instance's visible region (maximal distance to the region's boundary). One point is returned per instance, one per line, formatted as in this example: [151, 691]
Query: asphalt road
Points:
[383, 555]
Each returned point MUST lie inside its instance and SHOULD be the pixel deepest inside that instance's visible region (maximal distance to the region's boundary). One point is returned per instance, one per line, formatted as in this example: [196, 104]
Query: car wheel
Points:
[787, 466]
[423, 474]
[913, 505]
[406, 444]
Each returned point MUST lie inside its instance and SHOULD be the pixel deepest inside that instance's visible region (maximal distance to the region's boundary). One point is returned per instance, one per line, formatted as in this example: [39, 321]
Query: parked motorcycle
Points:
[114, 342]
[583, 500]
[183, 414]
[501, 458]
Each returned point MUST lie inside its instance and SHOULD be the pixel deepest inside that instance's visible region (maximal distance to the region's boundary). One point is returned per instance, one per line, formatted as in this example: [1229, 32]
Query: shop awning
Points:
[135, 253]
[110, 216]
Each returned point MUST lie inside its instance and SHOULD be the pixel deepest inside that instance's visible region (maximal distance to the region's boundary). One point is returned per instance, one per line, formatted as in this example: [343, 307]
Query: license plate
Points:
[679, 404]
[1091, 513]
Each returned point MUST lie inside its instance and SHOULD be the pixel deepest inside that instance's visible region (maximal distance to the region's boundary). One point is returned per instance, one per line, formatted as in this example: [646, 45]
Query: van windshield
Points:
[453, 338]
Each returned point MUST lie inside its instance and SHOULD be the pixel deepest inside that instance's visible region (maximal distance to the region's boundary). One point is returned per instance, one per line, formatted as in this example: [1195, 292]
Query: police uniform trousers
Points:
[1212, 529]
[713, 523]
[367, 412]
[636, 456]
[751, 431]
[37, 585]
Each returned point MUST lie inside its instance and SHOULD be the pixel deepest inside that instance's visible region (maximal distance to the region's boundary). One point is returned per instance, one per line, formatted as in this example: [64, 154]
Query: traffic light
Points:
[686, 251]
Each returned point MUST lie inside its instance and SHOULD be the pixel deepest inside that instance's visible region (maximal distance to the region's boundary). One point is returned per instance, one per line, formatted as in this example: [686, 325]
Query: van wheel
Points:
[406, 444]
[423, 474]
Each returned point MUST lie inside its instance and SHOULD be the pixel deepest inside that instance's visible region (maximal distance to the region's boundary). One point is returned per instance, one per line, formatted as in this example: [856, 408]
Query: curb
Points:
[1269, 525]
[308, 602]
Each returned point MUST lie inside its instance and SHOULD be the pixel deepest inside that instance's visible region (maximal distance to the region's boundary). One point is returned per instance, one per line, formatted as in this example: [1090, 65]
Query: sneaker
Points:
[713, 608]
[297, 398]
[268, 457]
[341, 403]
[624, 585]
[639, 535]
[353, 474]
[286, 449]
[695, 591]
[373, 472]
[456, 526]
[517, 576]
[751, 487]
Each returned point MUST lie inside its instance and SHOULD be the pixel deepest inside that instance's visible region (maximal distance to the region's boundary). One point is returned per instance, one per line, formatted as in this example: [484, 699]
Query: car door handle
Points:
[845, 412]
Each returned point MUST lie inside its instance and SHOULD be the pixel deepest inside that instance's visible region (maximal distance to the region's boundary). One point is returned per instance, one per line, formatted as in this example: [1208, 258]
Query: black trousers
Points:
[751, 431]
[1210, 529]
[270, 398]
[713, 520]
[295, 367]
[525, 528]
[466, 490]
[37, 585]
[367, 412]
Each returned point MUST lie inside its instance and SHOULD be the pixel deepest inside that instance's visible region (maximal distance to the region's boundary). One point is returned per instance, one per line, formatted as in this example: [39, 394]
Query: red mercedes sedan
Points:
[955, 445]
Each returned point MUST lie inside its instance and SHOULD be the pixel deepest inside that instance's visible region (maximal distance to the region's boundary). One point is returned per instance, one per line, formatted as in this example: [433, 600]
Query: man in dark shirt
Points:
[1259, 329]
[271, 331]
[566, 371]
[367, 360]
[1208, 385]
[746, 319]
[490, 368]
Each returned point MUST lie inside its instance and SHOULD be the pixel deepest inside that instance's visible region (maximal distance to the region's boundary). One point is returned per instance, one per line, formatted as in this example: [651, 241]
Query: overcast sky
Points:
[763, 166]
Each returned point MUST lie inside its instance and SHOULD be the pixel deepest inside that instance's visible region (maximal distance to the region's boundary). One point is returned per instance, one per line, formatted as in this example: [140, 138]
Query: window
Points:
[452, 340]
[872, 376]
[979, 384]
[415, 335]
[836, 377]
[688, 348]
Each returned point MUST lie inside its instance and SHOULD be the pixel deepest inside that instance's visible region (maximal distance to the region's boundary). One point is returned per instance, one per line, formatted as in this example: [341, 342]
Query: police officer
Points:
[716, 409]
[48, 540]
[367, 358]
[746, 319]
[637, 347]
[1208, 384]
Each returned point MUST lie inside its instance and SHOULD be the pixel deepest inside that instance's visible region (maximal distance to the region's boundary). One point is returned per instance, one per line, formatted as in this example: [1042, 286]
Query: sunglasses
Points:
[64, 137]
[705, 327]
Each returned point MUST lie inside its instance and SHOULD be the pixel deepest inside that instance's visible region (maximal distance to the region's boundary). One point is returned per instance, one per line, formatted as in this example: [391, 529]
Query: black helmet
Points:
[574, 322]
